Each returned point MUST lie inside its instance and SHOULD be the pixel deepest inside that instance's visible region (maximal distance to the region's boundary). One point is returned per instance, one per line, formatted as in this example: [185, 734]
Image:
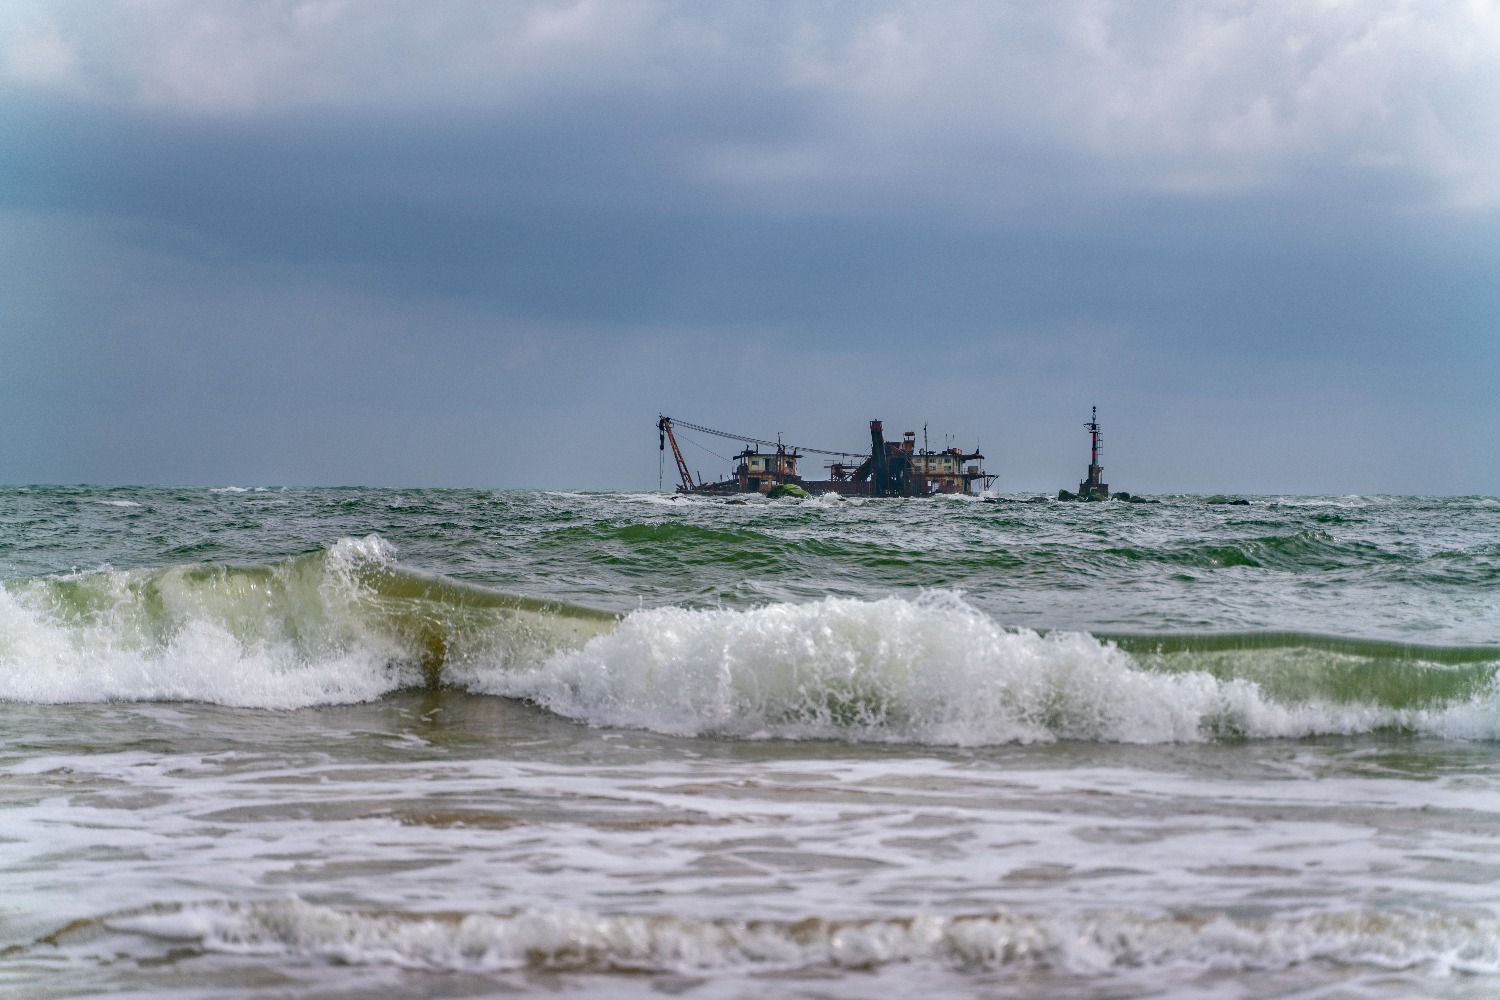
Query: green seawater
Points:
[1381, 600]
[411, 743]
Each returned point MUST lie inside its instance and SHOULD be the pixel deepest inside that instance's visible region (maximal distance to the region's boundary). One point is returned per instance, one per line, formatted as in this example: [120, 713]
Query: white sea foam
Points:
[1349, 501]
[652, 499]
[346, 625]
[826, 500]
[932, 670]
[282, 642]
[117, 503]
[1086, 943]
[334, 627]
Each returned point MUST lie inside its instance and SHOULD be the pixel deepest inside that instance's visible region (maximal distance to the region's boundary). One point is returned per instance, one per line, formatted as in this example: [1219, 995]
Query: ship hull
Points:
[842, 487]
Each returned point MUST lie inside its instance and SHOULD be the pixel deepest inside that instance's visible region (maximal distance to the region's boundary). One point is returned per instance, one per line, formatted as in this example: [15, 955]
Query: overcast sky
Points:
[485, 244]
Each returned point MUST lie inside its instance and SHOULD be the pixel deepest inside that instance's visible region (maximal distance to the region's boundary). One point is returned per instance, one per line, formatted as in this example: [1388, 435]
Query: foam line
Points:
[580, 940]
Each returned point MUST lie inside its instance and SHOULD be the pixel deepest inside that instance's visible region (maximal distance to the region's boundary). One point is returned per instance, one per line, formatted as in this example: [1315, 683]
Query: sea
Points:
[335, 743]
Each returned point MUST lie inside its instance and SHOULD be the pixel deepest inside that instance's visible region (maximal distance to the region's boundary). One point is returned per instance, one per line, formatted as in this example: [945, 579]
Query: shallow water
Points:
[333, 742]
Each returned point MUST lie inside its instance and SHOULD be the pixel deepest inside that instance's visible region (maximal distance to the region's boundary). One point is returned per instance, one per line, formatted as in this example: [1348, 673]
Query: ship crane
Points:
[664, 432]
[665, 436]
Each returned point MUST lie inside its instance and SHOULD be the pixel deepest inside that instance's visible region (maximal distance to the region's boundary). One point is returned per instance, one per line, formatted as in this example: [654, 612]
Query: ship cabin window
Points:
[783, 464]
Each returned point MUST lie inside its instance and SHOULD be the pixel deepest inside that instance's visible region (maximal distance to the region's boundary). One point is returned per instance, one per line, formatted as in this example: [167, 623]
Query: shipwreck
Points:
[889, 469]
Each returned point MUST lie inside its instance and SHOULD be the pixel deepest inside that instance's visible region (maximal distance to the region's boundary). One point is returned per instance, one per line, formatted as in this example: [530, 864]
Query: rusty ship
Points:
[889, 469]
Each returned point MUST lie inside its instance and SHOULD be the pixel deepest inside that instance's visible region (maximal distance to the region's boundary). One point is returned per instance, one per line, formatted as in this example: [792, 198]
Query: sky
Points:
[320, 242]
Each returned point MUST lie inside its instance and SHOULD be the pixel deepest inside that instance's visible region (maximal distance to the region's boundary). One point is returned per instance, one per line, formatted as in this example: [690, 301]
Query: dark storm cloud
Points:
[591, 219]
[560, 217]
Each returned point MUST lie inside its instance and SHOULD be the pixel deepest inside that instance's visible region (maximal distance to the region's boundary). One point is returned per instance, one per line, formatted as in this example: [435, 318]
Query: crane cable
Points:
[707, 450]
[752, 440]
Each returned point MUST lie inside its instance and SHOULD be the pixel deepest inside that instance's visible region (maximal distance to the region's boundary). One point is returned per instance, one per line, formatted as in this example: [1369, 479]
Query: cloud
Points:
[1183, 98]
[373, 230]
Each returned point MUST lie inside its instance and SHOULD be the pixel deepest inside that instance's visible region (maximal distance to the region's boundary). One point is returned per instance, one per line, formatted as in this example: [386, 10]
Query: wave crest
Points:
[346, 624]
[351, 624]
[577, 940]
[932, 670]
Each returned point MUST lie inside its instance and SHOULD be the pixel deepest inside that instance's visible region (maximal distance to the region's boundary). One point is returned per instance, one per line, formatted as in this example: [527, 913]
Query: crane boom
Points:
[664, 430]
[754, 440]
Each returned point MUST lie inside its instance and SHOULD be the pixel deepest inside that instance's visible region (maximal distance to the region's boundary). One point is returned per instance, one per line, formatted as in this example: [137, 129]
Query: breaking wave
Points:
[343, 625]
[935, 670]
[350, 624]
[582, 941]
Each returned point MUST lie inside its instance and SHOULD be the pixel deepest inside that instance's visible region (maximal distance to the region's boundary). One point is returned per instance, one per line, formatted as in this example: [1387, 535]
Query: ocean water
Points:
[410, 743]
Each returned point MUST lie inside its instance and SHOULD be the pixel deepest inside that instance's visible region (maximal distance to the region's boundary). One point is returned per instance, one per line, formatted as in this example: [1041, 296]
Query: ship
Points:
[889, 469]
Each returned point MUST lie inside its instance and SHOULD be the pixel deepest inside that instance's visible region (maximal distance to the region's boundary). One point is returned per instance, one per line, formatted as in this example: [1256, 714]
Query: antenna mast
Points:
[1093, 428]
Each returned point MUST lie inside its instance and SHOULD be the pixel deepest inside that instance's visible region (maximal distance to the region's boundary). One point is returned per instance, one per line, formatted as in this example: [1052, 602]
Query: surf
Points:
[351, 623]
[934, 670]
[584, 941]
[344, 624]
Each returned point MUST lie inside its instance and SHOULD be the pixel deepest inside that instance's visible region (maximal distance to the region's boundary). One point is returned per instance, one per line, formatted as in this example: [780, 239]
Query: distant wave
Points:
[583, 941]
[1265, 544]
[349, 624]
